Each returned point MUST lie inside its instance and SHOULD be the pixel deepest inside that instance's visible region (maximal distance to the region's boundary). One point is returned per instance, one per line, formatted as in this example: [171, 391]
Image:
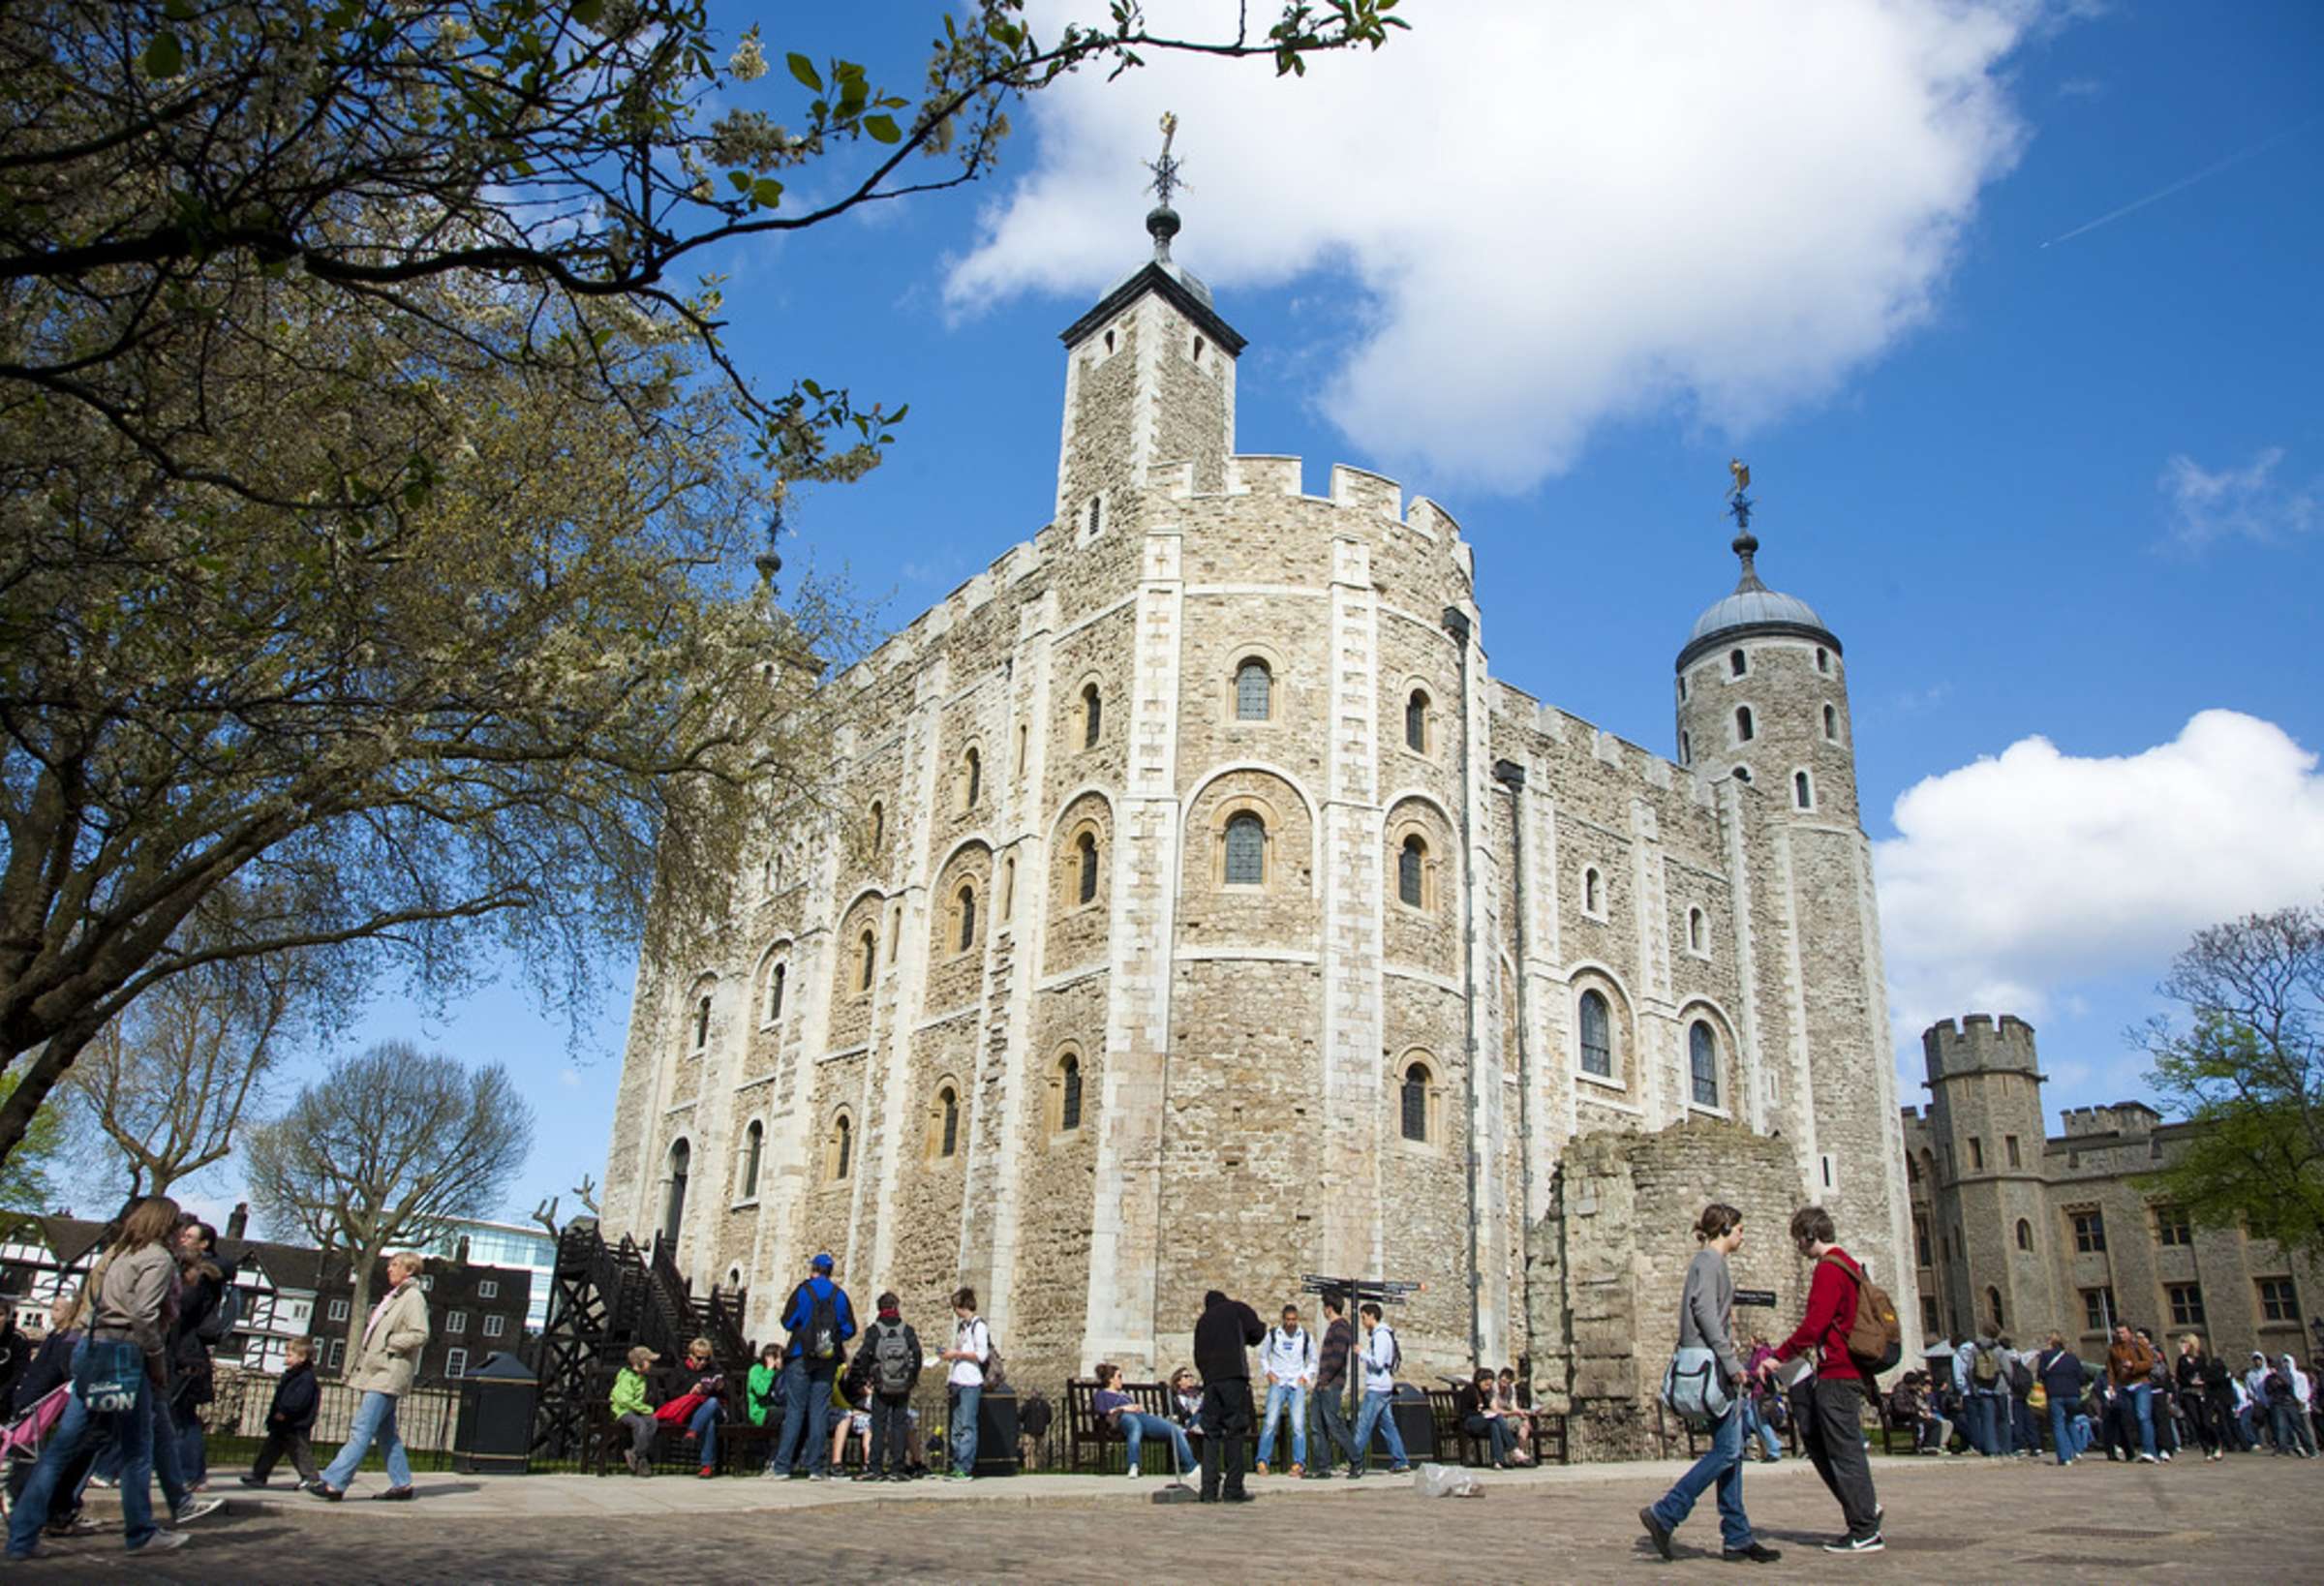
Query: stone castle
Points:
[2020, 1232]
[1205, 912]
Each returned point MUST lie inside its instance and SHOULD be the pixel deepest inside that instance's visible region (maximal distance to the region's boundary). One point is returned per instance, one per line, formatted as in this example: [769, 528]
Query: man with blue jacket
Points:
[820, 1322]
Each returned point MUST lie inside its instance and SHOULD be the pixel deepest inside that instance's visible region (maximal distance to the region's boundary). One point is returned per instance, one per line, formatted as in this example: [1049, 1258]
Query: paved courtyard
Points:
[2252, 1518]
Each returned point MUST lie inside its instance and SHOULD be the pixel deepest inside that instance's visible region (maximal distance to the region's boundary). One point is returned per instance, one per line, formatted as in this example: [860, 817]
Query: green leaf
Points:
[805, 71]
[179, 11]
[586, 12]
[766, 193]
[741, 180]
[883, 128]
[166, 56]
[897, 417]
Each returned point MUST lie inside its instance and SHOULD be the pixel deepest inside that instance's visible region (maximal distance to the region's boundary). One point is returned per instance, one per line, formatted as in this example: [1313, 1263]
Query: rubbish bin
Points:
[494, 1435]
[996, 1433]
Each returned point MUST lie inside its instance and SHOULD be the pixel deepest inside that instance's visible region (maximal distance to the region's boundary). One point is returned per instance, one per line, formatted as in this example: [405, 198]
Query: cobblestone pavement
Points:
[1960, 1522]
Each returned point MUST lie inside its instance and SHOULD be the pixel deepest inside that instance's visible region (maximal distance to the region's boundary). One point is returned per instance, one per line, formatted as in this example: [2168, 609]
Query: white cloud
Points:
[2242, 502]
[1551, 214]
[2013, 878]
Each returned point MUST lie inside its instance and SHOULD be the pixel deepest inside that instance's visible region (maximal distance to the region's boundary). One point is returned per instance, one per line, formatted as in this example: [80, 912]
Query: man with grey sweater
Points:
[1706, 1324]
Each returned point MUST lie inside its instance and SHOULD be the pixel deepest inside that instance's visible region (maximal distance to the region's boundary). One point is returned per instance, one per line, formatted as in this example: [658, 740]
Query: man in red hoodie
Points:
[1831, 1406]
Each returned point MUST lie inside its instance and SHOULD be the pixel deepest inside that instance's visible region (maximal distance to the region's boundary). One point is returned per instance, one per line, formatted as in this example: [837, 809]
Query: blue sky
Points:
[2071, 492]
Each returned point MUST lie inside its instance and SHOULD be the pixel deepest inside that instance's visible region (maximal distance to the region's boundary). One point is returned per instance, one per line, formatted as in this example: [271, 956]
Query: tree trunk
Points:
[359, 1311]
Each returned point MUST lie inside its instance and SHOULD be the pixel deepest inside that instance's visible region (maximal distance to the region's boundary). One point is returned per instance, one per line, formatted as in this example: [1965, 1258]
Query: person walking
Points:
[1223, 1335]
[2059, 1370]
[2129, 1368]
[1288, 1358]
[2289, 1391]
[386, 1362]
[117, 1370]
[290, 1418]
[1830, 1405]
[1332, 1386]
[1706, 1306]
[820, 1322]
[205, 1317]
[1382, 1355]
[890, 1363]
[2198, 1373]
[970, 1354]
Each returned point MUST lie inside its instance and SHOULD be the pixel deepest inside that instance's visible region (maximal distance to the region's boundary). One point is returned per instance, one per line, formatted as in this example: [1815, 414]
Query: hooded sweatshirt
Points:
[1223, 1337]
[2302, 1388]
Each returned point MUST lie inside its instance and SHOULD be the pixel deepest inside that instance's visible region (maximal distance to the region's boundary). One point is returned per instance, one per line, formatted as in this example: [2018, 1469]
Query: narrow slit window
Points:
[867, 959]
[1831, 723]
[775, 987]
[1803, 791]
[1085, 889]
[1695, 930]
[948, 1105]
[1593, 892]
[1743, 724]
[967, 938]
[1737, 665]
[1069, 1093]
[1092, 716]
[754, 1140]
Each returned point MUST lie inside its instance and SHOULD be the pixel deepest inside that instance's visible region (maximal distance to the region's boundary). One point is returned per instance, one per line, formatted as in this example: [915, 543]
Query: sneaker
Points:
[707, 1472]
[2146, 1460]
[2167, 1456]
[72, 1525]
[1754, 1554]
[194, 1509]
[1871, 1544]
[161, 1542]
[1656, 1532]
[1131, 1473]
[821, 1476]
[1399, 1470]
[108, 1482]
[253, 1480]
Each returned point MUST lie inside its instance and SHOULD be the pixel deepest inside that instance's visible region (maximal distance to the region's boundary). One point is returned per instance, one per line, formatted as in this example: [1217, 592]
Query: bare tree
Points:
[382, 1151]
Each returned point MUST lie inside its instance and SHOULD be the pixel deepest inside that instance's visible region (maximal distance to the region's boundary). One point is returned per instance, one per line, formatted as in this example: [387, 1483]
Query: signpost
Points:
[1351, 1292]
[1754, 1296]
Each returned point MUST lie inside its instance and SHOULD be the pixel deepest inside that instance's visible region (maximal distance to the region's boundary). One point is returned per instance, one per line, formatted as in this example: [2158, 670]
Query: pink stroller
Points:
[22, 1440]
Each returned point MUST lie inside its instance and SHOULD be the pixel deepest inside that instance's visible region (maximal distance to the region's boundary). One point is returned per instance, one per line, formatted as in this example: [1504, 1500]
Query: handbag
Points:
[1694, 1387]
[111, 1376]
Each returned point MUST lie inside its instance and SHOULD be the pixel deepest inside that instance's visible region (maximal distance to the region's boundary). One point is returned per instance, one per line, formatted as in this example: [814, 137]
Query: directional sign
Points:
[1754, 1296]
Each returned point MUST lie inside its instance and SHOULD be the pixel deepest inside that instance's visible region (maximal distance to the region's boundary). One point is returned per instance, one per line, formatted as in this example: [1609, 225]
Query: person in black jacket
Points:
[202, 1279]
[49, 1365]
[889, 1366]
[1223, 1337]
[289, 1419]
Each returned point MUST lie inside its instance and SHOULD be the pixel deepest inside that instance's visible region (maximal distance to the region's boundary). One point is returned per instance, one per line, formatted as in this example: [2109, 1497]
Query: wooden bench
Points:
[1092, 1442]
[1541, 1429]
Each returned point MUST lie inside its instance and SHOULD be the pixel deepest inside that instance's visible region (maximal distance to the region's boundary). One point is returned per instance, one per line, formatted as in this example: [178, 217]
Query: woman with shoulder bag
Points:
[116, 1371]
[1706, 1378]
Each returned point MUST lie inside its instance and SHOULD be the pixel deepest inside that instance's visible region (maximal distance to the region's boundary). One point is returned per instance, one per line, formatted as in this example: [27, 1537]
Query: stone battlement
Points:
[2126, 1118]
[1980, 1045]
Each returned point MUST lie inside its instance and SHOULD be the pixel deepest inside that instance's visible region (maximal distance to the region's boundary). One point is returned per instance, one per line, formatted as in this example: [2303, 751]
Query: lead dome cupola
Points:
[1753, 610]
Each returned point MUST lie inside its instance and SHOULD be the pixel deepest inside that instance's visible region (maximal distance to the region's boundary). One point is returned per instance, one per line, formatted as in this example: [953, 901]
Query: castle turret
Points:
[1985, 1130]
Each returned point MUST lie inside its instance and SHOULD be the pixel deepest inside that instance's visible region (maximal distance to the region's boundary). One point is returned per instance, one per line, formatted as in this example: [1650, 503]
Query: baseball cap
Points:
[821, 1264]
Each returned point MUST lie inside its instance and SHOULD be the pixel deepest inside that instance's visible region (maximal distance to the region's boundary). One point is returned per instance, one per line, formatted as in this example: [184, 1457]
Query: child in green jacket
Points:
[764, 1388]
[634, 1411]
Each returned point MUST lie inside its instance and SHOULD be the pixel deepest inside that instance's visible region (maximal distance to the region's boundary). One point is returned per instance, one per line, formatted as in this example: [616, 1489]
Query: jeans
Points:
[1723, 1463]
[192, 1447]
[1278, 1396]
[806, 1417]
[704, 1426]
[2060, 1432]
[1331, 1412]
[374, 1422]
[2142, 1405]
[2024, 1436]
[1136, 1429]
[891, 1433]
[1988, 1420]
[1755, 1425]
[1831, 1428]
[133, 1433]
[641, 1430]
[962, 1422]
[1932, 1434]
[2082, 1430]
[1376, 1413]
[1225, 1423]
[2292, 1432]
[1499, 1435]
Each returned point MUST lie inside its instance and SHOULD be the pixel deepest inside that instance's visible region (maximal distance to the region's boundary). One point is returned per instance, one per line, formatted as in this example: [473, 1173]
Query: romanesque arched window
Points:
[1412, 870]
[2025, 1234]
[948, 1121]
[1085, 852]
[867, 959]
[1413, 1100]
[754, 1140]
[1702, 1062]
[972, 780]
[673, 1210]
[1737, 665]
[965, 905]
[1416, 722]
[1254, 690]
[1803, 791]
[1597, 1037]
[701, 1022]
[777, 977]
[876, 824]
[1697, 936]
[1246, 850]
[843, 1148]
[1069, 1092]
[1092, 716]
[1743, 724]
[1831, 723]
[1592, 891]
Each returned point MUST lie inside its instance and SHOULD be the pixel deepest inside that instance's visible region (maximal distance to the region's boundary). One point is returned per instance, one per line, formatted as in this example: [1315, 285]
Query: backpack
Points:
[820, 1339]
[1395, 1350]
[2021, 1376]
[214, 1328]
[1984, 1366]
[892, 1359]
[1876, 1342]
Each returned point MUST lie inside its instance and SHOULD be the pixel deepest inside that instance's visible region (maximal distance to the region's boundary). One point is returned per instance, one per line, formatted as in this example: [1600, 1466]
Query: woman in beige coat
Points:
[384, 1366]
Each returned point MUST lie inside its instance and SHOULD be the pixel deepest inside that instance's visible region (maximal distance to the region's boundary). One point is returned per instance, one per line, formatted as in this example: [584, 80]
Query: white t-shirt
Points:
[976, 1338]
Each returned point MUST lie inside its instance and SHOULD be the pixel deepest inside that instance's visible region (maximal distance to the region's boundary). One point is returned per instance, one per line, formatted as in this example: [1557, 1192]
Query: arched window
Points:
[702, 1021]
[948, 1121]
[1198, 350]
[875, 822]
[843, 1148]
[673, 1211]
[972, 778]
[966, 897]
[1737, 665]
[1024, 741]
[1593, 892]
[1695, 935]
[1416, 722]
[1093, 714]
[1086, 848]
[1824, 659]
[1743, 725]
[2025, 1234]
[1246, 850]
[867, 959]
[1254, 690]
[1597, 1037]
[1414, 1098]
[1069, 1092]
[754, 1140]
[1831, 723]
[1803, 791]
[1702, 1062]
[1412, 865]
[776, 977]
[1743, 774]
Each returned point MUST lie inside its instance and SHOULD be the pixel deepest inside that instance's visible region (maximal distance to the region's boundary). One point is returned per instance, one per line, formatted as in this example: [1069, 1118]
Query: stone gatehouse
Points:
[1201, 910]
